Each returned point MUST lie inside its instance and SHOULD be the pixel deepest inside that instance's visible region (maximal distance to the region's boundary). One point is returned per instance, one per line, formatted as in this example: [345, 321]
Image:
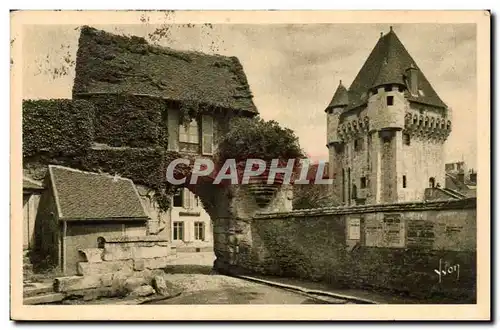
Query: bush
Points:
[257, 138]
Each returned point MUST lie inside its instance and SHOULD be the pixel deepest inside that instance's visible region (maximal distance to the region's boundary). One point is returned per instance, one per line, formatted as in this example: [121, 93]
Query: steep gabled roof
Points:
[83, 195]
[340, 98]
[387, 64]
[108, 63]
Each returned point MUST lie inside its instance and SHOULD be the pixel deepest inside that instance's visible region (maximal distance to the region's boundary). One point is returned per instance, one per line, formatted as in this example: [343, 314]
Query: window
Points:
[189, 133]
[363, 182]
[199, 231]
[406, 139]
[404, 181]
[189, 137]
[178, 200]
[207, 126]
[178, 232]
[390, 100]
[432, 182]
[358, 144]
[101, 241]
[354, 192]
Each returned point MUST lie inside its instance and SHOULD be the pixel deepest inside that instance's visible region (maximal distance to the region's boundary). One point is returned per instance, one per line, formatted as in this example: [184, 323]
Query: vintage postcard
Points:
[260, 165]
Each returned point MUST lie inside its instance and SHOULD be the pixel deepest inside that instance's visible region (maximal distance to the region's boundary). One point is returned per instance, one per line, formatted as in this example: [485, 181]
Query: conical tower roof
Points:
[340, 98]
[387, 64]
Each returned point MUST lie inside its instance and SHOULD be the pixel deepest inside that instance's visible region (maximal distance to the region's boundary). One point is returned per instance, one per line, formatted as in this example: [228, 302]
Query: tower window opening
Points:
[358, 144]
[404, 181]
[390, 100]
[406, 139]
[354, 192]
[363, 182]
[432, 182]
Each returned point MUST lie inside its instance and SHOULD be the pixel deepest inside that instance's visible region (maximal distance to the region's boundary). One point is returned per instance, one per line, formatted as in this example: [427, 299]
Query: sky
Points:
[293, 70]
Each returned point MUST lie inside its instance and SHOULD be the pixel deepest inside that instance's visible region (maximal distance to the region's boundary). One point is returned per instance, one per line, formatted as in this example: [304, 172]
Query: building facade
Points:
[386, 133]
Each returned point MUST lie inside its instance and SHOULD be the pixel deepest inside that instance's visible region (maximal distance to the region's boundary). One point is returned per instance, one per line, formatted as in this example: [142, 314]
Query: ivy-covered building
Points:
[134, 108]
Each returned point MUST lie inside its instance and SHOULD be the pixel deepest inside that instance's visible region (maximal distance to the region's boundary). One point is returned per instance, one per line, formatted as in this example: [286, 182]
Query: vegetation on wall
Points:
[128, 120]
[257, 138]
[65, 132]
[56, 127]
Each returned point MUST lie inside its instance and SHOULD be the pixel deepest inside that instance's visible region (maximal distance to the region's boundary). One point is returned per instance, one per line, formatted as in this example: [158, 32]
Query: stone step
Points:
[44, 299]
[34, 289]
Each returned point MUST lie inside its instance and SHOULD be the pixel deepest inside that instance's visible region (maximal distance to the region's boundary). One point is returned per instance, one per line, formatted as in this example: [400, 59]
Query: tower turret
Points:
[337, 105]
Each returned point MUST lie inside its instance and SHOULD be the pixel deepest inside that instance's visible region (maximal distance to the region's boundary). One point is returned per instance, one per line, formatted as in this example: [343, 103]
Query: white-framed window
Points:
[178, 231]
[199, 231]
[189, 133]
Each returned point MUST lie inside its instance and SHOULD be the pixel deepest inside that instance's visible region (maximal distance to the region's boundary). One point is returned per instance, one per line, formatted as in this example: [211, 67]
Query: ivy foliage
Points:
[257, 138]
[57, 127]
[133, 121]
[131, 134]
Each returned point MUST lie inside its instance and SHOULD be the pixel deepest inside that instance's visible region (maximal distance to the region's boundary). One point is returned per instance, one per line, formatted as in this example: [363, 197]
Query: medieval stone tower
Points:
[386, 133]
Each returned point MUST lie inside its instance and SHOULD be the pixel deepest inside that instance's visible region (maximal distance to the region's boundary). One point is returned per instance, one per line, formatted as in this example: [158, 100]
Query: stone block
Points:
[156, 263]
[44, 299]
[164, 287]
[142, 291]
[138, 264]
[105, 267]
[91, 255]
[74, 283]
[134, 282]
[126, 251]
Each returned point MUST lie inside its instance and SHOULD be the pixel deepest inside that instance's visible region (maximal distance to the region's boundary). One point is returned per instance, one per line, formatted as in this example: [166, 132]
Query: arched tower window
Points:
[100, 242]
[432, 182]
[354, 192]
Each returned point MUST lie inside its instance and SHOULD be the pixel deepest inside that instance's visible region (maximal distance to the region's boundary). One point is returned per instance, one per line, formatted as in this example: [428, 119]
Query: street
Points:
[191, 272]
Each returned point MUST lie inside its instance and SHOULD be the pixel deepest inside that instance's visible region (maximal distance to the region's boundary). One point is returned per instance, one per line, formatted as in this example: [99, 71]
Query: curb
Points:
[307, 291]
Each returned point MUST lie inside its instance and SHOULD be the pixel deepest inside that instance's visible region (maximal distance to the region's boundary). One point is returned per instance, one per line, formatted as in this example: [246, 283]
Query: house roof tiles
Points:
[92, 196]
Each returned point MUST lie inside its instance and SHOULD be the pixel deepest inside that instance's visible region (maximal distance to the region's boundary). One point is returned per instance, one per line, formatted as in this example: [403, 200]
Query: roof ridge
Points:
[157, 46]
[116, 176]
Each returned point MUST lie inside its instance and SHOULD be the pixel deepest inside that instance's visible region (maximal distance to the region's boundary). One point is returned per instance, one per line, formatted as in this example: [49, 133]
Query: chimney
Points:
[473, 177]
[412, 79]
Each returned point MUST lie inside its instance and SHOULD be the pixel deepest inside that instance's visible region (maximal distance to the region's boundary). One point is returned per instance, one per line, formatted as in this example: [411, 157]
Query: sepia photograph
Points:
[266, 159]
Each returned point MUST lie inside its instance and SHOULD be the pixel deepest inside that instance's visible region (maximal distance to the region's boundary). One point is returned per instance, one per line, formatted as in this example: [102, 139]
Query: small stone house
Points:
[32, 191]
[78, 210]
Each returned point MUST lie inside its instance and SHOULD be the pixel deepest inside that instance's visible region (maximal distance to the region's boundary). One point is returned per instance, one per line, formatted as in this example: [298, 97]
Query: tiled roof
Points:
[30, 184]
[387, 64]
[340, 98]
[108, 63]
[93, 196]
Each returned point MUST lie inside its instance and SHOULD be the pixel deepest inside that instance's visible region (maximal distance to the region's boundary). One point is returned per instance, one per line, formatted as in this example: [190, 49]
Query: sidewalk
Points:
[322, 289]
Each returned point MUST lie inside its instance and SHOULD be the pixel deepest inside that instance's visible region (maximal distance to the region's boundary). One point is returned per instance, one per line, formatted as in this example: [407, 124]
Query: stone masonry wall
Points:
[426, 250]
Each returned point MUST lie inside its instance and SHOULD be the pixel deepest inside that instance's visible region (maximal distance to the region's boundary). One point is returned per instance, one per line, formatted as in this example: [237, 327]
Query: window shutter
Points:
[187, 199]
[207, 127]
[173, 130]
